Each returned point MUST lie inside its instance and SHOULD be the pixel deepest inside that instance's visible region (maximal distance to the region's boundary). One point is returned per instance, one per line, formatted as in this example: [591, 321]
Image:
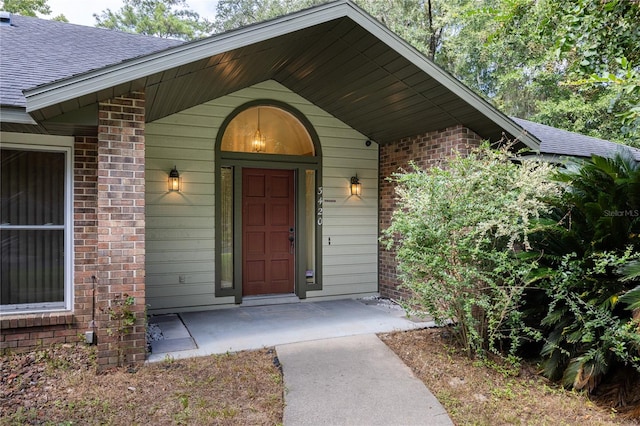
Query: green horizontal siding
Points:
[180, 226]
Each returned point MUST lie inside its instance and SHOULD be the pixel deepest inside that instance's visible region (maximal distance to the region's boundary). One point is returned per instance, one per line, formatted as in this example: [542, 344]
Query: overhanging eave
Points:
[335, 55]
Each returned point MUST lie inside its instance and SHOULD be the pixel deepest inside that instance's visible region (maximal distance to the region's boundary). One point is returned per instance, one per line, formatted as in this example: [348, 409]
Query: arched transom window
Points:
[267, 130]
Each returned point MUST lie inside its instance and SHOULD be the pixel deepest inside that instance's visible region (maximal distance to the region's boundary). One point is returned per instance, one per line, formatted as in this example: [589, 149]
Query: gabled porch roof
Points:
[334, 55]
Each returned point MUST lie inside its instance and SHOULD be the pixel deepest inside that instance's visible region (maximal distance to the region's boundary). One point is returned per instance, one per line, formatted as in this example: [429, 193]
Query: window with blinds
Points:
[33, 226]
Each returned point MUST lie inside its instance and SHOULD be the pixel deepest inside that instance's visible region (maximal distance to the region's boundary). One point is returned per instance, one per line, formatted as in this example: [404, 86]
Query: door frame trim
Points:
[300, 165]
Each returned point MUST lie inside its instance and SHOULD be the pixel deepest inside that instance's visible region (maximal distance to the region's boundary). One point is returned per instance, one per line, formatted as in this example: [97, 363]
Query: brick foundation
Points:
[24, 332]
[425, 151]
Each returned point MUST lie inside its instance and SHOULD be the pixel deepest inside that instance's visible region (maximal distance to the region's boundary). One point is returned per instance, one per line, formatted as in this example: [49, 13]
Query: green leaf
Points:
[631, 299]
[631, 271]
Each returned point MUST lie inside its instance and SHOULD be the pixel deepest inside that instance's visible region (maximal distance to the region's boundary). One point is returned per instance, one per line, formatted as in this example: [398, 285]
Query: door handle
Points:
[292, 239]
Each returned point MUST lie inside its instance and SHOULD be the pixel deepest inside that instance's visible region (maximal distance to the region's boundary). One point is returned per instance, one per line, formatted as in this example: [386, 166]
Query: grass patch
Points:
[60, 385]
[490, 393]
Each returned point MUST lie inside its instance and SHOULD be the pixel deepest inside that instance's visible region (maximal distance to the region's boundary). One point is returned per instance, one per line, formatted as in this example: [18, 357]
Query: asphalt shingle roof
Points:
[37, 51]
[564, 143]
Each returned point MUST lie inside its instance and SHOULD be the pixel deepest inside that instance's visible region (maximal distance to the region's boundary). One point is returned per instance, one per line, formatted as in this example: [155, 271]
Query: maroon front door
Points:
[268, 234]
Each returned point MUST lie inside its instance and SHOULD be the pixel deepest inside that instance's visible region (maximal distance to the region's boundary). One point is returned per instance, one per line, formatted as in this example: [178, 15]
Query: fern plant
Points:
[583, 262]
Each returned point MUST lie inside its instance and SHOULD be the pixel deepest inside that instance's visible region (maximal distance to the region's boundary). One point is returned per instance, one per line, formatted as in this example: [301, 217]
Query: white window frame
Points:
[33, 142]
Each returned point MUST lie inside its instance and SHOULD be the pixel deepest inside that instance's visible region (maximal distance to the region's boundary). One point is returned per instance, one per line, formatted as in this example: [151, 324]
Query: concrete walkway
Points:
[354, 380]
[336, 370]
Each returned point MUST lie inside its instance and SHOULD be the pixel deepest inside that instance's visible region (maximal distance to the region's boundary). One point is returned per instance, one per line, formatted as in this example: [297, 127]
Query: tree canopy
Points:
[160, 18]
[29, 8]
[539, 59]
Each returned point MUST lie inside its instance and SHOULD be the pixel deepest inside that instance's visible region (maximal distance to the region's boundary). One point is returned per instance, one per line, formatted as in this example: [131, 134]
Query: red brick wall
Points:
[24, 332]
[121, 227]
[85, 230]
[425, 151]
[109, 242]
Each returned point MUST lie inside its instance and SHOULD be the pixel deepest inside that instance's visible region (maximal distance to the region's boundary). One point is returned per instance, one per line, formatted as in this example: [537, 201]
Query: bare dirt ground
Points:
[60, 386]
[474, 393]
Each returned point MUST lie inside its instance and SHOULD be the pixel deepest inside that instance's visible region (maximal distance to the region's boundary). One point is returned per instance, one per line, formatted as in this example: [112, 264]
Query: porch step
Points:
[270, 299]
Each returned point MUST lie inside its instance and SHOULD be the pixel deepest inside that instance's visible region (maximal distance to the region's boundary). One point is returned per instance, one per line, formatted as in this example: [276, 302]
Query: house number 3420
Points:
[320, 201]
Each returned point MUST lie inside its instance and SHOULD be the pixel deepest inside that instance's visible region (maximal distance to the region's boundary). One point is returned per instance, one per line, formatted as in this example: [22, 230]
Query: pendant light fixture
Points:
[259, 142]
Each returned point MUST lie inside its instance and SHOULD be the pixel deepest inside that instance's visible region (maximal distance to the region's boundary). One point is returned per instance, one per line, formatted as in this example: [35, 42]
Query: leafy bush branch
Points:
[511, 250]
[459, 231]
[122, 319]
[121, 314]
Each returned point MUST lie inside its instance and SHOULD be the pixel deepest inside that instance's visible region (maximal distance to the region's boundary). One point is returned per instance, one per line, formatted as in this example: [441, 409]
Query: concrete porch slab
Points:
[255, 327]
[176, 336]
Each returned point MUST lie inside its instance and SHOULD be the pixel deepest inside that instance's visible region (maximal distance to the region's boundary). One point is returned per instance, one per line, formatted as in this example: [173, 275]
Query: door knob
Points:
[291, 240]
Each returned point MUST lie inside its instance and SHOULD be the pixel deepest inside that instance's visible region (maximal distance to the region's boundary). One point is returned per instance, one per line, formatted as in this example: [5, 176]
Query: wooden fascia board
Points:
[84, 84]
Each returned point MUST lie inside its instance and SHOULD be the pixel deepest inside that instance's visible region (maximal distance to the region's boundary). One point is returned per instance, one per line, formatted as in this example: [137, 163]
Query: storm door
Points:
[268, 234]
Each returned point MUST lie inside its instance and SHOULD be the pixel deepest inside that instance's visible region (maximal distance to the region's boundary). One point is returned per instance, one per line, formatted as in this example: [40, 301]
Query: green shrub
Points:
[460, 233]
[588, 271]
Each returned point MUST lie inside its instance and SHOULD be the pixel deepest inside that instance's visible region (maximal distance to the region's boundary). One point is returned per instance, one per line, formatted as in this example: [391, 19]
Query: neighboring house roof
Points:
[557, 142]
[37, 51]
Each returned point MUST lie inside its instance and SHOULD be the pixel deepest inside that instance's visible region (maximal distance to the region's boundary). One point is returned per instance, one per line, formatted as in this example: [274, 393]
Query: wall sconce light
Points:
[356, 186]
[259, 142]
[174, 179]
